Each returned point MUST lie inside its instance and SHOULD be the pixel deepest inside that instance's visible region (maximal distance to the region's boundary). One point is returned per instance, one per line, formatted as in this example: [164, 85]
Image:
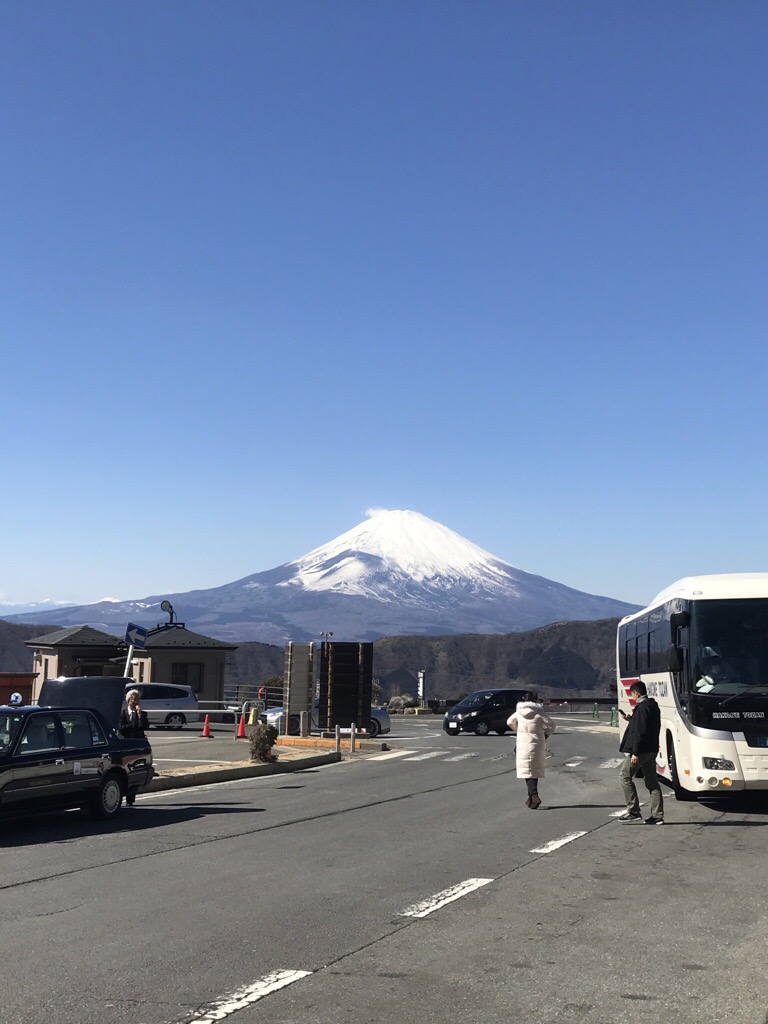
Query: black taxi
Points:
[66, 752]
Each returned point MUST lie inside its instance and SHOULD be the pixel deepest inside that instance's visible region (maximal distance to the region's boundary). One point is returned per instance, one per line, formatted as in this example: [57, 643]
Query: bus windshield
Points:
[729, 647]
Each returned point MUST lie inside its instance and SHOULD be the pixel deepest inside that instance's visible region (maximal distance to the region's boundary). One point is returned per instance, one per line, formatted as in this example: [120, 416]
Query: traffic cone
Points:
[206, 733]
[241, 729]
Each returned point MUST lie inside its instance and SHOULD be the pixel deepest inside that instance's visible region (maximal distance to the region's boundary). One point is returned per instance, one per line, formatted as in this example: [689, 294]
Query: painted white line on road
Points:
[498, 757]
[613, 762]
[246, 996]
[440, 899]
[557, 843]
[392, 753]
[190, 760]
[423, 757]
[575, 762]
[618, 814]
[460, 757]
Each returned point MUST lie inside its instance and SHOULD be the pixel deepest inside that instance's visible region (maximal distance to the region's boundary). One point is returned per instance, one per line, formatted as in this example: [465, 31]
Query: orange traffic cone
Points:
[206, 733]
[241, 729]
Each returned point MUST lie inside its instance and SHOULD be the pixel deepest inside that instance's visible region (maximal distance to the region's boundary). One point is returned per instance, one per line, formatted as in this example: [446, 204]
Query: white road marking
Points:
[499, 757]
[246, 996]
[190, 760]
[618, 814]
[423, 757]
[391, 754]
[575, 762]
[557, 843]
[460, 757]
[440, 899]
[614, 762]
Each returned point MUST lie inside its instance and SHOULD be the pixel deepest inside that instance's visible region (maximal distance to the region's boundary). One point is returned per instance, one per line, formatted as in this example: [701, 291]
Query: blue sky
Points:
[269, 264]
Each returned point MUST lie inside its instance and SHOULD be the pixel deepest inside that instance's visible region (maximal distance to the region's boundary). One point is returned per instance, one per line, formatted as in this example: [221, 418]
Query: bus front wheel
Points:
[680, 793]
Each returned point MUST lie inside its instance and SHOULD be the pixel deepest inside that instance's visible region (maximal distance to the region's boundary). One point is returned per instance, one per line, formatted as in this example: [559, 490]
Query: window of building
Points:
[188, 674]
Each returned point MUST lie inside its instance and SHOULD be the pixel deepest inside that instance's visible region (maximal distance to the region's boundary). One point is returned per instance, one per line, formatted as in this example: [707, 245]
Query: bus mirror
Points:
[675, 659]
[679, 620]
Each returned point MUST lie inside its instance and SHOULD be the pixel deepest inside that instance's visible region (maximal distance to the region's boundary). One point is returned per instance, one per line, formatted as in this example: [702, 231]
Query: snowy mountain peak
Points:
[394, 545]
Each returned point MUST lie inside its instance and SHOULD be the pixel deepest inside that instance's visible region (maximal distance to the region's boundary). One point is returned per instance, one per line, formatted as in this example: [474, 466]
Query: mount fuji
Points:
[397, 573]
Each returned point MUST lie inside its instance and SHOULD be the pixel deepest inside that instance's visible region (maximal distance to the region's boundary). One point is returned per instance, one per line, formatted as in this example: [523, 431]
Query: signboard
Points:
[136, 636]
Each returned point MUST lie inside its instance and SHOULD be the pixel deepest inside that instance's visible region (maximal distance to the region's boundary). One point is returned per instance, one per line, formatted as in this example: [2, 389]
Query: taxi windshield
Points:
[10, 723]
[729, 647]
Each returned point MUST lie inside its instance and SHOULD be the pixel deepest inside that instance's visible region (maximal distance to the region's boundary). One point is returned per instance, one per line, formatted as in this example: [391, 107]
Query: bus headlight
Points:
[718, 764]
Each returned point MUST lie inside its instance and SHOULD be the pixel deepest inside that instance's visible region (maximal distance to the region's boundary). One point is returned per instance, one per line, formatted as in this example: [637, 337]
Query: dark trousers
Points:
[533, 786]
[628, 770]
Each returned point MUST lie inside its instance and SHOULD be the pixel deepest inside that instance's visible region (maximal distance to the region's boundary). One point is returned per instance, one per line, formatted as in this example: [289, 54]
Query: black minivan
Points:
[483, 711]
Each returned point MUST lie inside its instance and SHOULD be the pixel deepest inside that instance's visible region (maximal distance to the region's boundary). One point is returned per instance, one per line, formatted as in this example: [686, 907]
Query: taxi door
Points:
[86, 754]
[37, 771]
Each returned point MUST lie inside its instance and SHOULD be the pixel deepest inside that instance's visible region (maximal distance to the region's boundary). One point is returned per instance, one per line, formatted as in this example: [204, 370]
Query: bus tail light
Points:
[727, 782]
[718, 764]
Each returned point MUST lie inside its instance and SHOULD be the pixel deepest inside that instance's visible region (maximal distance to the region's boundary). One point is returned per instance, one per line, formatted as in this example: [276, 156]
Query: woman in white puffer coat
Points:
[533, 728]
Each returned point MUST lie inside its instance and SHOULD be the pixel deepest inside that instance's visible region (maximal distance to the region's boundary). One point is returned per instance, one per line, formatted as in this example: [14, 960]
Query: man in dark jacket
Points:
[641, 744]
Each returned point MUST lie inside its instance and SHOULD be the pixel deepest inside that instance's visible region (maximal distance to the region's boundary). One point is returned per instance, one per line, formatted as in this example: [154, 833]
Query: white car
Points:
[379, 722]
[167, 705]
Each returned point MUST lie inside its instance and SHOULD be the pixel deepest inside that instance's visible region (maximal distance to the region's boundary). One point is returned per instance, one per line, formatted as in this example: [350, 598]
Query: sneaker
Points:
[654, 821]
[630, 816]
[535, 801]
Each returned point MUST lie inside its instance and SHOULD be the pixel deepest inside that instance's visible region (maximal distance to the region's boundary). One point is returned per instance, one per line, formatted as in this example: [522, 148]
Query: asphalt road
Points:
[198, 904]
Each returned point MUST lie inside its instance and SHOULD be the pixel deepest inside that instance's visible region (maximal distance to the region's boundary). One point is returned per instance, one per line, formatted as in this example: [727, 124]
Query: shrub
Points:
[262, 740]
[405, 700]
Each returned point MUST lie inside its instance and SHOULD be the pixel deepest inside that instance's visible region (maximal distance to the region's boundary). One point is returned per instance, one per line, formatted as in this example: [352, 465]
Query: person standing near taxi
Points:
[640, 743]
[533, 729]
[133, 721]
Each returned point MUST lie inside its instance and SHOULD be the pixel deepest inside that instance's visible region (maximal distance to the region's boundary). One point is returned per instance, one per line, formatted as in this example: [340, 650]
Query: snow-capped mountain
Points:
[38, 607]
[394, 574]
[397, 556]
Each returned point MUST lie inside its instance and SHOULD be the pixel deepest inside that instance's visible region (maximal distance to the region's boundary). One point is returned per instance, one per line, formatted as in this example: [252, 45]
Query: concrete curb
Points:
[305, 742]
[206, 776]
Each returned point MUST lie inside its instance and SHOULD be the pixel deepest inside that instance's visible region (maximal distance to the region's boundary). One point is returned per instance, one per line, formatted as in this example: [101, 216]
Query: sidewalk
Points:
[293, 755]
[289, 759]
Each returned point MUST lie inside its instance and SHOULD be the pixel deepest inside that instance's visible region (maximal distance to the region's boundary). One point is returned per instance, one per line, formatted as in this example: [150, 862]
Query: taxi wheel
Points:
[109, 797]
[482, 728]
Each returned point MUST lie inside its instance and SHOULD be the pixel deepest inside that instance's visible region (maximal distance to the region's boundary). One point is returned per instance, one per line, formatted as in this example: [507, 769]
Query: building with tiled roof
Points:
[172, 654]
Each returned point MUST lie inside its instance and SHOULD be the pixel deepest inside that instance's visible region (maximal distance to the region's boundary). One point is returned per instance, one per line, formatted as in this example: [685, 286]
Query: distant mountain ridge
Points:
[559, 660]
[396, 574]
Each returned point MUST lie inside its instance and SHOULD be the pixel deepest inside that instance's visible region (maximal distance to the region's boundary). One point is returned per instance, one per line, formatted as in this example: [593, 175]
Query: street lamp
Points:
[327, 636]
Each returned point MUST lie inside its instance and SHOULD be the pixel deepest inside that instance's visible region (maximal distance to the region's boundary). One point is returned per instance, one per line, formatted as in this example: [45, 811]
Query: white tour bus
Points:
[701, 648]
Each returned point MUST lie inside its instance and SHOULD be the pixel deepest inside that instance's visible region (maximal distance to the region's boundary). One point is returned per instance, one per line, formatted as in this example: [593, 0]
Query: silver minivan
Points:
[167, 704]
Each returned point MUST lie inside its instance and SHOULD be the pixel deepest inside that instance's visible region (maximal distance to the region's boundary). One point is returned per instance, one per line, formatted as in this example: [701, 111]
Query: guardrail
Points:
[221, 707]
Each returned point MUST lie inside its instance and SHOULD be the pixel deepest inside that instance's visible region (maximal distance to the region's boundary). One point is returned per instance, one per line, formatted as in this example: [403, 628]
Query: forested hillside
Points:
[564, 658]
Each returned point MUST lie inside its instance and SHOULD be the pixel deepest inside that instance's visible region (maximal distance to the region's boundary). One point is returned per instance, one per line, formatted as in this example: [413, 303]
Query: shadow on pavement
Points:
[568, 807]
[65, 826]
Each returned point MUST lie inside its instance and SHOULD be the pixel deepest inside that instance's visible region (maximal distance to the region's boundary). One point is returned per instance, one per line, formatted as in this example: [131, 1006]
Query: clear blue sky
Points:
[268, 264]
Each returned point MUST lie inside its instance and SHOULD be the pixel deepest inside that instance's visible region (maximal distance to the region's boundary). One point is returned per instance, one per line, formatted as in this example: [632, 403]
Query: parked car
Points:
[66, 752]
[379, 722]
[167, 704]
[483, 711]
